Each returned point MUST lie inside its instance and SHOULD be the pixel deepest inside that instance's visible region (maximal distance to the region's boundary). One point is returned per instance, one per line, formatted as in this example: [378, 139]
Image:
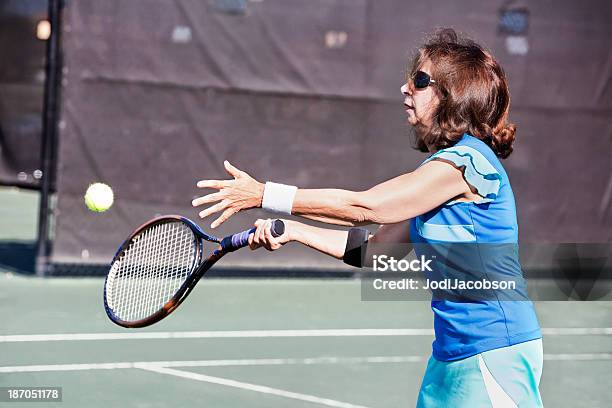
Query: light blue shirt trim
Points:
[446, 233]
[477, 170]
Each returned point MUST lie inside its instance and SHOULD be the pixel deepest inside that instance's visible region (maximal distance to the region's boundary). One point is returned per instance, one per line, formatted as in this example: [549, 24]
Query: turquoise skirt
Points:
[506, 377]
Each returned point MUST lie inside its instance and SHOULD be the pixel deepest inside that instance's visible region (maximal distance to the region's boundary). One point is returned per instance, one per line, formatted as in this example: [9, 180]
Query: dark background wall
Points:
[156, 94]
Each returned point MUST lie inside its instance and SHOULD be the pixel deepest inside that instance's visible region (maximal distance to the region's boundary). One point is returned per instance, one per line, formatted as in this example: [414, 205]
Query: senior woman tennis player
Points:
[486, 352]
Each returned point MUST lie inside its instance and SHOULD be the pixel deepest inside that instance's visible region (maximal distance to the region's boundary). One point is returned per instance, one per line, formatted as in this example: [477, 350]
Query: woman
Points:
[487, 352]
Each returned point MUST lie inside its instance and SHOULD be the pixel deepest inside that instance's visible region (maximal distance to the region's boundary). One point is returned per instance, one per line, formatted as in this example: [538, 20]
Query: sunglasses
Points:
[421, 80]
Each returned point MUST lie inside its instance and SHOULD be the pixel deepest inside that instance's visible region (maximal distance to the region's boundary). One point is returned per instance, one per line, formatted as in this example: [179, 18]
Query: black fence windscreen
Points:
[22, 76]
[157, 94]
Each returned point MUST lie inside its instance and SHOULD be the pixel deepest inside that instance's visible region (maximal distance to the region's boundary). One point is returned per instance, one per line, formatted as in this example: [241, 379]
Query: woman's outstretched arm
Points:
[392, 201]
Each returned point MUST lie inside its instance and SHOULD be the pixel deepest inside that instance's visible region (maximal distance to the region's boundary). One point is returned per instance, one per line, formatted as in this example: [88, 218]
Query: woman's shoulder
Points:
[480, 166]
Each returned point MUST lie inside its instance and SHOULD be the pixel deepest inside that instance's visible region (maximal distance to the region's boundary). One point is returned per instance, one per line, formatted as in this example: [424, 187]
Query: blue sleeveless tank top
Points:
[466, 328]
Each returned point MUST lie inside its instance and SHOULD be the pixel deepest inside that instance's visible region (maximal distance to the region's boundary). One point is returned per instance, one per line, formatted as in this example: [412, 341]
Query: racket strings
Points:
[151, 270]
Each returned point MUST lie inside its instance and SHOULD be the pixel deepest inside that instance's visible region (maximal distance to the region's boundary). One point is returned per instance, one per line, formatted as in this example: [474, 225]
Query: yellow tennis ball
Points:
[99, 197]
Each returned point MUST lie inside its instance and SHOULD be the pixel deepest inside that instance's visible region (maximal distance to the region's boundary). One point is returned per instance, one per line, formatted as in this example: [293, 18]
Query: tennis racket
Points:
[157, 267]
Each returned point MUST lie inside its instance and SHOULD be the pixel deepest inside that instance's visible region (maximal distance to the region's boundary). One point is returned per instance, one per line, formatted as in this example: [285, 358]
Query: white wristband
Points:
[278, 198]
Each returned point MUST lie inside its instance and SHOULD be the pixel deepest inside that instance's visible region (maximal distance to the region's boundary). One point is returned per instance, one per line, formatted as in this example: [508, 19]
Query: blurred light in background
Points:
[517, 45]
[181, 34]
[43, 30]
[335, 39]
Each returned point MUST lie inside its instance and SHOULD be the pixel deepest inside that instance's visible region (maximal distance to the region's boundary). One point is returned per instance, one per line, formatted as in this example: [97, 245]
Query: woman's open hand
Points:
[241, 193]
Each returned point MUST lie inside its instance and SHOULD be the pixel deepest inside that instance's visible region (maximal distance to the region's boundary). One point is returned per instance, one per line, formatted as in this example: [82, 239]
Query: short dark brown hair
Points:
[473, 92]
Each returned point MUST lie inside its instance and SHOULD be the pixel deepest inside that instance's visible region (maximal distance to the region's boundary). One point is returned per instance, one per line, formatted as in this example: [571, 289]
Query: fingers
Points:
[241, 193]
[224, 217]
[215, 208]
[258, 236]
[273, 243]
[252, 244]
[254, 241]
[263, 236]
[216, 184]
[234, 172]
[210, 198]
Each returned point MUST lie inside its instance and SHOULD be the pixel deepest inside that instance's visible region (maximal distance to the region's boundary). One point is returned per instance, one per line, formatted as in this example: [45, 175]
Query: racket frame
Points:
[198, 269]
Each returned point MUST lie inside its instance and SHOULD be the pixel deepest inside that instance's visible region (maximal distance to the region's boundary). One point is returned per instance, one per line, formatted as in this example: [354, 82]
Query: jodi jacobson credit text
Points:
[384, 263]
[444, 284]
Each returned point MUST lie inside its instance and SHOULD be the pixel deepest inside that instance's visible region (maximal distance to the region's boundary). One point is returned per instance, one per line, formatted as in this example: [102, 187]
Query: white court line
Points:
[214, 363]
[267, 361]
[214, 334]
[17, 338]
[576, 331]
[251, 387]
[578, 357]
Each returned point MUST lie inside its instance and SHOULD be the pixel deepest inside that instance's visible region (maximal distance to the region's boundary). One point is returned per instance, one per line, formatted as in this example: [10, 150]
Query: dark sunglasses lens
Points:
[421, 80]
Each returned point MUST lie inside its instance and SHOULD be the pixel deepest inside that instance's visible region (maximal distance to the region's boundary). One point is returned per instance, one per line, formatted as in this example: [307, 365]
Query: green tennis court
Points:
[263, 343]
[254, 343]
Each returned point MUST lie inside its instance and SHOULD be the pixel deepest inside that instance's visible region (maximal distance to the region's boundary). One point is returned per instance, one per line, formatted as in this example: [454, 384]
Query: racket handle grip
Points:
[240, 240]
[278, 228]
